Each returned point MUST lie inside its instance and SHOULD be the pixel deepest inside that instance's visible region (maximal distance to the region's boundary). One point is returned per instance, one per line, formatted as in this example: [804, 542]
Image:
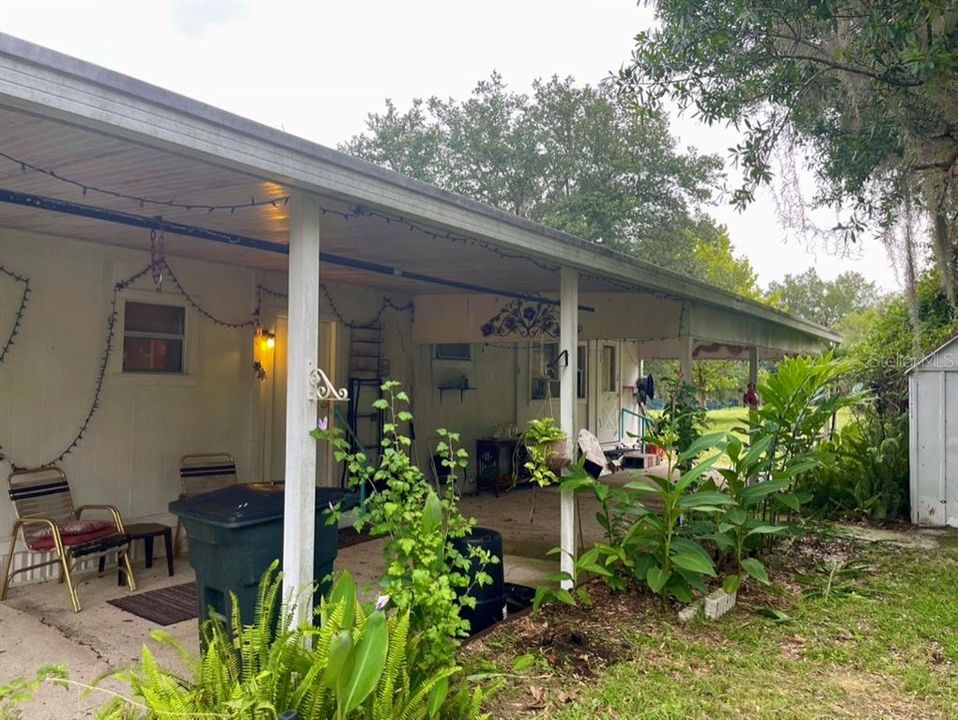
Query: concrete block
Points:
[718, 603]
[689, 612]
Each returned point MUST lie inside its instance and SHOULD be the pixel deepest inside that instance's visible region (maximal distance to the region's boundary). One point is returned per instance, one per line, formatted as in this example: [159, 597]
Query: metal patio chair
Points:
[202, 473]
[48, 521]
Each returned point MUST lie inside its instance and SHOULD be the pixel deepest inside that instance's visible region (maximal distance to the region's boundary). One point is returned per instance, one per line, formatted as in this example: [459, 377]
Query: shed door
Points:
[930, 494]
[950, 435]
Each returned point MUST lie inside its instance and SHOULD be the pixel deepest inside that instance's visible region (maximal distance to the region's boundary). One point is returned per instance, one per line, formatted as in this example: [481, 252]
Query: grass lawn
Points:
[882, 645]
[726, 419]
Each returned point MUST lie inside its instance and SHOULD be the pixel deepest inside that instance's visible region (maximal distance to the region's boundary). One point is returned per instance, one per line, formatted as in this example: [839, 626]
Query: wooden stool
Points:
[148, 532]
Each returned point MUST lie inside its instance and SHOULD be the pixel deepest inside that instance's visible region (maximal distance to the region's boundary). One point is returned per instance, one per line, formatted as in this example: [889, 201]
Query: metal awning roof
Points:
[101, 129]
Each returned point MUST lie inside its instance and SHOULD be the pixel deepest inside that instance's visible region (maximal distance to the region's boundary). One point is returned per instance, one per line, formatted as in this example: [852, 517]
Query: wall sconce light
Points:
[267, 339]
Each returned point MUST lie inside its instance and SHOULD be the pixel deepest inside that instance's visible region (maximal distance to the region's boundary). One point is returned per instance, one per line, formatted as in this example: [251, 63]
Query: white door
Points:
[608, 391]
[950, 433]
[325, 470]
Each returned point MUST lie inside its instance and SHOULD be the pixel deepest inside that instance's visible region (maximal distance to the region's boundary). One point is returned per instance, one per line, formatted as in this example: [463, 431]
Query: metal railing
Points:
[643, 425]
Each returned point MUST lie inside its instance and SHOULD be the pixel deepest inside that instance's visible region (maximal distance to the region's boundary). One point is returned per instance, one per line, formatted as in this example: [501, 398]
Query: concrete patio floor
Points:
[37, 625]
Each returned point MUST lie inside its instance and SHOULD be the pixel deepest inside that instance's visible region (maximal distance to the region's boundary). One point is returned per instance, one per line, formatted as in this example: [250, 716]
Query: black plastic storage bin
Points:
[236, 532]
[490, 599]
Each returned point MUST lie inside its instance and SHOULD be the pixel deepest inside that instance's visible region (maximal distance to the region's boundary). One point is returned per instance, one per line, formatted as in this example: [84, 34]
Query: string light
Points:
[143, 201]
[18, 318]
[387, 304]
[161, 266]
[360, 211]
[356, 211]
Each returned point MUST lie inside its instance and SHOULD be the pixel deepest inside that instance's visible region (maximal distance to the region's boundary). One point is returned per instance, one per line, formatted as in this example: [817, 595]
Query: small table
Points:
[148, 532]
[496, 457]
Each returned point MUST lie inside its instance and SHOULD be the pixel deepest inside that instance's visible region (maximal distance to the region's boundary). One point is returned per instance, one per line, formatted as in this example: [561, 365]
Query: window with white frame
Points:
[610, 373]
[154, 338]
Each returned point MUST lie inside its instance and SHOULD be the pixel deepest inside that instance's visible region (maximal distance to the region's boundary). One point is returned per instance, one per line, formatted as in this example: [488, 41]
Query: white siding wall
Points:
[130, 454]
[496, 373]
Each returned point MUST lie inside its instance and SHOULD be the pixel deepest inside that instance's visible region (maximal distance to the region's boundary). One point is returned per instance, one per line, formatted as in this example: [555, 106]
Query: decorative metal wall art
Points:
[523, 318]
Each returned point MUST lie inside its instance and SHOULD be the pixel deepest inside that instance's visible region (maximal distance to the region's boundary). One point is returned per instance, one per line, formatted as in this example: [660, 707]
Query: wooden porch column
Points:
[303, 352]
[568, 344]
[753, 365]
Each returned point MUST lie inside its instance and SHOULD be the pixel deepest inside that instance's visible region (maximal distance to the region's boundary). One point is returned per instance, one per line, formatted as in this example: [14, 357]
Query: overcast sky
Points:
[315, 69]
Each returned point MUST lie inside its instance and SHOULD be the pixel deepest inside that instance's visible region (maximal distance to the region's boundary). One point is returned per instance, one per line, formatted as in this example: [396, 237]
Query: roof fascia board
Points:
[47, 83]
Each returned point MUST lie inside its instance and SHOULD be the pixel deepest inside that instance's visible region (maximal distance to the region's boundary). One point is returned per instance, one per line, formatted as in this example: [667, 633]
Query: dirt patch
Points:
[865, 695]
[582, 640]
[900, 534]
[564, 647]
[804, 554]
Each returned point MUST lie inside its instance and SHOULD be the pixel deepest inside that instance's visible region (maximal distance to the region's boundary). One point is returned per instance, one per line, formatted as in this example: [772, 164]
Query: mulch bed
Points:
[578, 643]
[575, 645]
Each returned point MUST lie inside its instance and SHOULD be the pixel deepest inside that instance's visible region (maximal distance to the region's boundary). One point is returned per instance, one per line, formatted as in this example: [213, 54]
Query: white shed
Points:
[933, 436]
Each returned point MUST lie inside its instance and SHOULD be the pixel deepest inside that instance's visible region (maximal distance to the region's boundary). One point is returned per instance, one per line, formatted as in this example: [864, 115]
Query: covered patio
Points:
[284, 258]
[103, 638]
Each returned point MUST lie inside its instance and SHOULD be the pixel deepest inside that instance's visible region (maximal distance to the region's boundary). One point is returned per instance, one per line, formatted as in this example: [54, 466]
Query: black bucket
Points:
[490, 598]
[518, 597]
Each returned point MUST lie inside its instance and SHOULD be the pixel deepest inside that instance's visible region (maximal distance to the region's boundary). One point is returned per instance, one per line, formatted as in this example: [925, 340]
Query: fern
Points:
[261, 670]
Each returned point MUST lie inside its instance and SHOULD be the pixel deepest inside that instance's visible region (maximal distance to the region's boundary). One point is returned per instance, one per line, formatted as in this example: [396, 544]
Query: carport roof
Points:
[116, 131]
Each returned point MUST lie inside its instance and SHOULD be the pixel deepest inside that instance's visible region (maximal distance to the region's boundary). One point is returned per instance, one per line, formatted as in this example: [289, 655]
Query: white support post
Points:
[299, 520]
[753, 365]
[686, 343]
[686, 348]
[568, 348]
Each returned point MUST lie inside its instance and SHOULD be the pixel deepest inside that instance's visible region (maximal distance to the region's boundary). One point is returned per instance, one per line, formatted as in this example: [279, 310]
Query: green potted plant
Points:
[546, 445]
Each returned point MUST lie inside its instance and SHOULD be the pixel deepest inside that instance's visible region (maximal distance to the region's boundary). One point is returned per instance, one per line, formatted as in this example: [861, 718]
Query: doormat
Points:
[350, 536]
[164, 607]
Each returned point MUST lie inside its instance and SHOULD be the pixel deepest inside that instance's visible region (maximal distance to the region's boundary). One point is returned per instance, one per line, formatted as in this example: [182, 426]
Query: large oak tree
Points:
[866, 92]
[575, 157]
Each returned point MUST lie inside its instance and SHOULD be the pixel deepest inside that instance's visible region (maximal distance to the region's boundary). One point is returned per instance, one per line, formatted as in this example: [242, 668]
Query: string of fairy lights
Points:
[18, 316]
[355, 211]
[159, 269]
[143, 202]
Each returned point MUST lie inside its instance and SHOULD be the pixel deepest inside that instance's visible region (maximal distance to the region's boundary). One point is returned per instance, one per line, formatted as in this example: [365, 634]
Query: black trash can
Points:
[236, 532]
[490, 599]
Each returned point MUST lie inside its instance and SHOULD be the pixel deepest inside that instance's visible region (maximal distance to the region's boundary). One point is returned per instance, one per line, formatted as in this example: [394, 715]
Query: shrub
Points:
[869, 475]
[354, 666]
[425, 576]
[665, 534]
[19, 690]
[683, 417]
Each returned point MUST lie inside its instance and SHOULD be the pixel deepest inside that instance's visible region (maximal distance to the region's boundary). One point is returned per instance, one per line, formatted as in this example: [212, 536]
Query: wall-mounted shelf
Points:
[443, 389]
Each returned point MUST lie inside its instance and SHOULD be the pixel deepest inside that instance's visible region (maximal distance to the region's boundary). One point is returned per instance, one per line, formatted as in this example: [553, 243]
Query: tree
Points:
[864, 92]
[574, 157]
[886, 348]
[826, 302]
[712, 259]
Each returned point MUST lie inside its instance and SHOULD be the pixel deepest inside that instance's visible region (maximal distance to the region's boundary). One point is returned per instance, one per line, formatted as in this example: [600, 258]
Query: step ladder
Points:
[364, 424]
[366, 353]
[367, 368]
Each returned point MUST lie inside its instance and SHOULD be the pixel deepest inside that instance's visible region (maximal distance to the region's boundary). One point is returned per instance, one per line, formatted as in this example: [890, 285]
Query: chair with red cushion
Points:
[47, 521]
